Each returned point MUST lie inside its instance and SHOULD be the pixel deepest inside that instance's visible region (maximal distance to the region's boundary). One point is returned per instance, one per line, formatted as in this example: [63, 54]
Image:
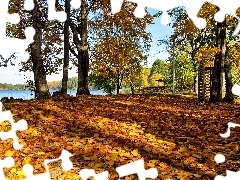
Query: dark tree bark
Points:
[195, 81]
[217, 84]
[83, 56]
[132, 88]
[229, 97]
[66, 49]
[41, 87]
[201, 83]
[82, 45]
[118, 82]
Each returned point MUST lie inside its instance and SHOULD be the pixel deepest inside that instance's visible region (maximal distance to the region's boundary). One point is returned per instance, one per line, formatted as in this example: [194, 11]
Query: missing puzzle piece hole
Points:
[87, 173]
[139, 11]
[219, 158]
[165, 18]
[30, 32]
[29, 5]
[21, 125]
[200, 23]
[7, 162]
[23, 56]
[219, 16]
[115, 6]
[236, 89]
[60, 16]
[236, 32]
[28, 169]
[152, 173]
[66, 162]
[75, 3]
[14, 18]
[230, 175]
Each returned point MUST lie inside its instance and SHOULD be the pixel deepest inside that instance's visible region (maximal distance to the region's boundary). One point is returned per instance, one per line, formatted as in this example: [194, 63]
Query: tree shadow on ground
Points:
[178, 121]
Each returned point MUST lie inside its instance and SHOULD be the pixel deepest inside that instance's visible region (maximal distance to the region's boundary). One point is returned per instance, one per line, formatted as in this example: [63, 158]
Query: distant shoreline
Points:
[28, 94]
[49, 90]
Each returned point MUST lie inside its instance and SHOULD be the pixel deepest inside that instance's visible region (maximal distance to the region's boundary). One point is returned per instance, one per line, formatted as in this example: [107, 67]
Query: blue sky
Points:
[158, 31]
[12, 75]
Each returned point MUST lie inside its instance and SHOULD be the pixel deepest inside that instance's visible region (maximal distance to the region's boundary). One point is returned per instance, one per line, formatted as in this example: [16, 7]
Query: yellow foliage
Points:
[153, 79]
[124, 136]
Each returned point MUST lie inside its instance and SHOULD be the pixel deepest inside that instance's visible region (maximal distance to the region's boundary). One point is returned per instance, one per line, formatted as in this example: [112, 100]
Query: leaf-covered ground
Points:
[176, 135]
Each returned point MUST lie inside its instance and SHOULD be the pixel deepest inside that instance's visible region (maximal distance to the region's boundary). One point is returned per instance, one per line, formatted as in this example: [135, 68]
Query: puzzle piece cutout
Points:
[8, 162]
[9, 46]
[191, 8]
[220, 158]
[21, 125]
[60, 15]
[227, 9]
[29, 5]
[53, 14]
[66, 165]
[87, 173]
[230, 175]
[137, 167]
[230, 125]
[236, 89]
[75, 3]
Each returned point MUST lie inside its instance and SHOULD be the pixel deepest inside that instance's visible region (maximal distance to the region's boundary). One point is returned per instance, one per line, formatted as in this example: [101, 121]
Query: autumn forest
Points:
[170, 115]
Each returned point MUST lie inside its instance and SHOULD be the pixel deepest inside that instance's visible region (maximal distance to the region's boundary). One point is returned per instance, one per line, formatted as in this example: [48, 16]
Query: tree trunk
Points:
[82, 47]
[118, 88]
[217, 84]
[66, 49]
[110, 90]
[195, 82]
[83, 56]
[41, 87]
[132, 88]
[201, 83]
[229, 97]
[118, 82]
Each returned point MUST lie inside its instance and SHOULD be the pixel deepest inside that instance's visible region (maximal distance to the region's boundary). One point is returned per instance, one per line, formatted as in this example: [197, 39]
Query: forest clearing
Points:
[174, 134]
[120, 54]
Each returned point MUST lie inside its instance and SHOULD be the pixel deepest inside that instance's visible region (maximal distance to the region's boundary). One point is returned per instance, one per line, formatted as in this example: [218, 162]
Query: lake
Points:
[27, 94]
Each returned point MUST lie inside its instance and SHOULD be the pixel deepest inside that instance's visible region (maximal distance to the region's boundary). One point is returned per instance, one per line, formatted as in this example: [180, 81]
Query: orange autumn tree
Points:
[201, 44]
[45, 51]
[122, 45]
[231, 59]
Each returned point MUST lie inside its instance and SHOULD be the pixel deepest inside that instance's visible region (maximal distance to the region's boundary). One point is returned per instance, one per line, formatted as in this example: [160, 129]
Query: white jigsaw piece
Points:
[227, 9]
[9, 46]
[53, 14]
[137, 167]
[230, 125]
[191, 8]
[8, 162]
[60, 15]
[236, 89]
[220, 158]
[66, 165]
[85, 174]
[230, 175]
[21, 125]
